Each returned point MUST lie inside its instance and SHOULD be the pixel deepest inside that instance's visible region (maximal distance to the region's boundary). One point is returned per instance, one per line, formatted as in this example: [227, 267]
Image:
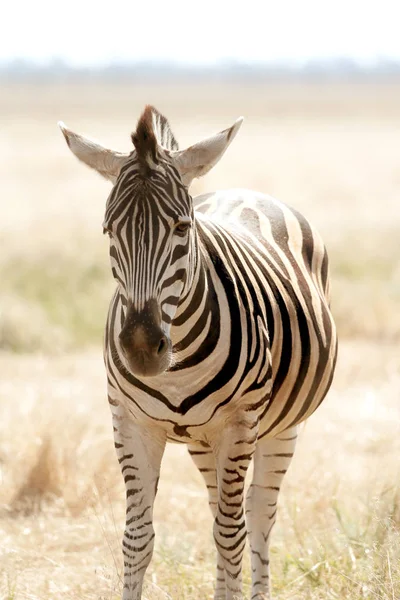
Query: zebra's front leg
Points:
[271, 461]
[233, 452]
[139, 453]
[204, 460]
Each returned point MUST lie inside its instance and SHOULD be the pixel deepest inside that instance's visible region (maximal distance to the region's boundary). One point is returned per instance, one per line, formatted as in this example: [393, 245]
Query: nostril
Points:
[162, 345]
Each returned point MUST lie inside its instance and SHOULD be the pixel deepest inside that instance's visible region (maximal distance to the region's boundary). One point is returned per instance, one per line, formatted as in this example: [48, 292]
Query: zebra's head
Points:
[150, 220]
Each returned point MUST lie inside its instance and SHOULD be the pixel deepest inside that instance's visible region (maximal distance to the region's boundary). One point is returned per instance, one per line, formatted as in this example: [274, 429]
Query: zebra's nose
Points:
[145, 347]
[145, 350]
[151, 346]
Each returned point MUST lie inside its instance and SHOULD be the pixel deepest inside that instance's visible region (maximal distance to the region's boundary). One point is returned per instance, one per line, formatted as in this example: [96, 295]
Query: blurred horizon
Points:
[337, 68]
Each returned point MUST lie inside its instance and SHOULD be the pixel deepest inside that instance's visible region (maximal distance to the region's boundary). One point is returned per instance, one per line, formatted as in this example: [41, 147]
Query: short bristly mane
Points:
[162, 130]
[152, 130]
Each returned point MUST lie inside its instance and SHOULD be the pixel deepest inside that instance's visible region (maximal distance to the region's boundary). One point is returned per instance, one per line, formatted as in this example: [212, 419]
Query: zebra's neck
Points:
[196, 325]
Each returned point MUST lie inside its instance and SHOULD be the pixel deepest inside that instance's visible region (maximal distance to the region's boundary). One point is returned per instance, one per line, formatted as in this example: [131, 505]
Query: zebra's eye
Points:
[107, 231]
[182, 227]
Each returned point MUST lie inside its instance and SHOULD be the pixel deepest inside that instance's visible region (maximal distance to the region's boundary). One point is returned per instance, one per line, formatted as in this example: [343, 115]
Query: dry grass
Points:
[330, 151]
[338, 534]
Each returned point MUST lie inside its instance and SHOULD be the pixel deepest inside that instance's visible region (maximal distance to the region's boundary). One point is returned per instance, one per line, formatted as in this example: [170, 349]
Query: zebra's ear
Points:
[106, 162]
[198, 159]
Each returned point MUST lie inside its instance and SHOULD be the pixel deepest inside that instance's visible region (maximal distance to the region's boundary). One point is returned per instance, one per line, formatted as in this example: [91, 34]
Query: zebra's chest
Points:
[191, 403]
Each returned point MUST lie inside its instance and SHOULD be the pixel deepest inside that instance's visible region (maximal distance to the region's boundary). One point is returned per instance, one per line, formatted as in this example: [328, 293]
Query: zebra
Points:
[219, 335]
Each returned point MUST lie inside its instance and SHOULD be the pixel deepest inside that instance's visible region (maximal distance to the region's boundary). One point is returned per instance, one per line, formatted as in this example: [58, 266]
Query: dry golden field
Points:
[330, 150]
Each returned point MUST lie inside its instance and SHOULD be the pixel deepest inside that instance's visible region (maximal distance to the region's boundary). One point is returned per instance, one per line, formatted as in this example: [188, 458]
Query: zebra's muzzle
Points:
[147, 350]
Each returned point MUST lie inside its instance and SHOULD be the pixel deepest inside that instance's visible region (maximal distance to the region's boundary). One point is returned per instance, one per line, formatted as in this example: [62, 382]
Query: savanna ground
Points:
[329, 150]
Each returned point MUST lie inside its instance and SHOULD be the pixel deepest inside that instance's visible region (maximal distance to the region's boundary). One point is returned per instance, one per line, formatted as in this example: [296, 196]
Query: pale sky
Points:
[87, 32]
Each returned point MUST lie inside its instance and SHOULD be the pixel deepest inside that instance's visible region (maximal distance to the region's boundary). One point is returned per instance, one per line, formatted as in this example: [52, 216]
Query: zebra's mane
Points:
[152, 130]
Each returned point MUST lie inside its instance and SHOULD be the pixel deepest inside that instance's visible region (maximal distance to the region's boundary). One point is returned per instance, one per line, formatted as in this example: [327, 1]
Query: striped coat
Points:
[219, 335]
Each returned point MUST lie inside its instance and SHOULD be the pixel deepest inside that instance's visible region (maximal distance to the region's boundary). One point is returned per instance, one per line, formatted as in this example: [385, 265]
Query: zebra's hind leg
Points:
[204, 460]
[139, 452]
[271, 461]
[233, 451]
